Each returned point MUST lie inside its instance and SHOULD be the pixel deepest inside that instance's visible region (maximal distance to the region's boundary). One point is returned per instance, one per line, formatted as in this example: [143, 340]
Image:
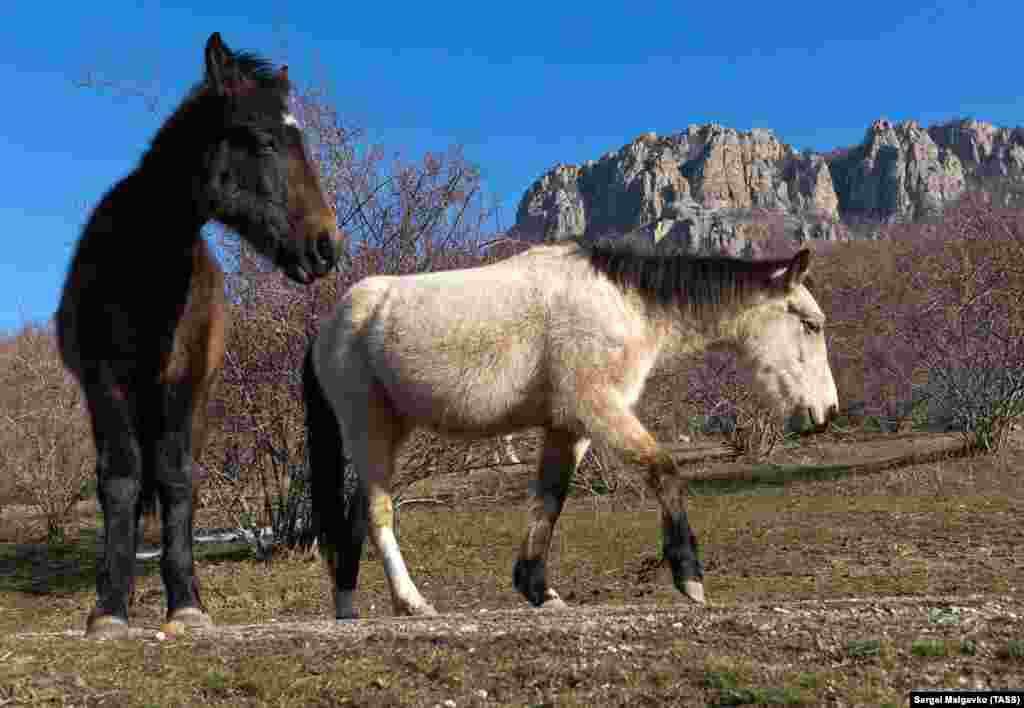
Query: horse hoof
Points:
[189, 617]
[106, 627]
[552, 602]
[344, 607]
[424, 610]
[694, 589]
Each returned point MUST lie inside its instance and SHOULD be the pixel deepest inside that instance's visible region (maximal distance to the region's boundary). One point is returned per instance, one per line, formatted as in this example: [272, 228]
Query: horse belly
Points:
[488, 392]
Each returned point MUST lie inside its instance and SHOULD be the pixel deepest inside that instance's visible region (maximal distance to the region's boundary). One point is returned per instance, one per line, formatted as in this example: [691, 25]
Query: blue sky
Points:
[521, 86]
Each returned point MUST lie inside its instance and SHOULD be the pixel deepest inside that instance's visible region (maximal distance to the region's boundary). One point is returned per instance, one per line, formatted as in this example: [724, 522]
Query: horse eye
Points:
[260, 141]
[811, 327]
[266, 144]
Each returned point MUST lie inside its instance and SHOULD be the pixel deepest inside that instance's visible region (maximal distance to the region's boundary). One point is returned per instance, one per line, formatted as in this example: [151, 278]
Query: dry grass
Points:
[783, 558]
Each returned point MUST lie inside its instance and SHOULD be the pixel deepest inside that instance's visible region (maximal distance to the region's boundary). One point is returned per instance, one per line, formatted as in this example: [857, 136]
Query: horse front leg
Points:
[626, 434]
[119, 486]
[562, 455]
[171, 455]
[680, 542]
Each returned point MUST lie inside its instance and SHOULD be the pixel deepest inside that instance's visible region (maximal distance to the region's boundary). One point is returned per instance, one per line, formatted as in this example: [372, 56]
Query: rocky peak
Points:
[701, 187]
[897, 172]
[984, 149]
[712, 188]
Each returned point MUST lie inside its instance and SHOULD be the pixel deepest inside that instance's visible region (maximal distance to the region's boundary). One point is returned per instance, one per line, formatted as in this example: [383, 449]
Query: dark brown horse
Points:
[142, 319]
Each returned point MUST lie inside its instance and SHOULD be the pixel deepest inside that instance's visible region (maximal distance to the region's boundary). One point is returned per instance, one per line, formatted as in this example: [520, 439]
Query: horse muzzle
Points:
[318, 260]
[808, 421]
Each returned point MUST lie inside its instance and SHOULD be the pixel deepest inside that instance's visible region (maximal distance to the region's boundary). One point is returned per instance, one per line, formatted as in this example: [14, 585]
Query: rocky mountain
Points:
[715, 189]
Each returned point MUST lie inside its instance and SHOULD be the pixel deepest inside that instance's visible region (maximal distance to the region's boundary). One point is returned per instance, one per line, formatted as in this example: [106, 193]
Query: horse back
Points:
[493, 349]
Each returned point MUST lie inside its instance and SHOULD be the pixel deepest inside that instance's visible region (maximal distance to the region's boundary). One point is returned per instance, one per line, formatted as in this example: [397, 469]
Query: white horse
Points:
[562, 337]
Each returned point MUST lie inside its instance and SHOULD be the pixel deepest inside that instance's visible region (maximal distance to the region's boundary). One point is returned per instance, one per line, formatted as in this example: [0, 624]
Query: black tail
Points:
[341, 532]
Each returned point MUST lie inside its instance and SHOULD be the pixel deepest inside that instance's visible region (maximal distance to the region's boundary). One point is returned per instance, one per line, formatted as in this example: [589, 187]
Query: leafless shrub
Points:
[399, 217]
[964, 321]
[860, 286]
[721, 389]
[45, 451]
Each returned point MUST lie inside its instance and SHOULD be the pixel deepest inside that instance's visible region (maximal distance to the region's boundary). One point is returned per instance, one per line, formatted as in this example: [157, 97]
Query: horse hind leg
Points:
[374, 441]
[561, 456]
[625, 434]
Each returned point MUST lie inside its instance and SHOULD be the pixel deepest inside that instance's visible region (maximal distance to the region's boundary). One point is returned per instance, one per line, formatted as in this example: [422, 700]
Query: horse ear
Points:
[220, 65]
[797, 270]
[794, 273]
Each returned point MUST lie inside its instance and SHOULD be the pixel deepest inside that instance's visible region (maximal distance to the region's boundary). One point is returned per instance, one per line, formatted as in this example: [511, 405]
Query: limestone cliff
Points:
[715, 189]
[898, 172]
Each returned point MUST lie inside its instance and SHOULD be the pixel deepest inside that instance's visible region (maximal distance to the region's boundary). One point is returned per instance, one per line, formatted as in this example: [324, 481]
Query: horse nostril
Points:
[325, 247]
[833, 412]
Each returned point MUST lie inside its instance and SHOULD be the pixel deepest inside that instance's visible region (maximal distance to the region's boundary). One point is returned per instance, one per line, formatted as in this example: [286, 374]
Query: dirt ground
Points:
[836, 576]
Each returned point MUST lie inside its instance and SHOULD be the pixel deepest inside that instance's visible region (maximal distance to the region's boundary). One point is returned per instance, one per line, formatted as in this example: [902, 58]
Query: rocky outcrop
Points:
[983, 149]
[714, 189]
[706, 189]
[898, 172]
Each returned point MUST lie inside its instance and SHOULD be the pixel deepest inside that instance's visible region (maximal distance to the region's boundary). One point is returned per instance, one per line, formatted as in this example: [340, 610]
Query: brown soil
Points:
[836, 575]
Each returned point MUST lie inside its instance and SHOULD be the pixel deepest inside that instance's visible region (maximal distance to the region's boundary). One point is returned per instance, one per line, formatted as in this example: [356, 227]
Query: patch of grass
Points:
[808, 681]
[760, 697]
[872, 687]
[728, 683]
[723, 679]
[785, 696]
[944, 615]
[929, 648]
[215, 680]
[863, 648]
[1013, 649]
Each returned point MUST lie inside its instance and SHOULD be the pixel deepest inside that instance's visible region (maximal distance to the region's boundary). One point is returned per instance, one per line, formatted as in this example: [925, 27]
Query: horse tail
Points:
[341, 533]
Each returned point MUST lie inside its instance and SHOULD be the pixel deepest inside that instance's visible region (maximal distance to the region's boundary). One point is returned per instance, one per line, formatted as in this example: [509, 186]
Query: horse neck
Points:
[153, 213]
[140, 247]
[683, 331]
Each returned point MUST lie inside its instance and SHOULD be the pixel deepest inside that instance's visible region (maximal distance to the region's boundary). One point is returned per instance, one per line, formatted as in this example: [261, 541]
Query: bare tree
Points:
[46, 454]
[965, 322]
[400, 217]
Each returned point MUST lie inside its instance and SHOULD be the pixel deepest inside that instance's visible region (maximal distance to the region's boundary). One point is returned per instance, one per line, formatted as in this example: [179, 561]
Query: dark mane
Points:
[253, 67]
[668, 277]
[258, 73]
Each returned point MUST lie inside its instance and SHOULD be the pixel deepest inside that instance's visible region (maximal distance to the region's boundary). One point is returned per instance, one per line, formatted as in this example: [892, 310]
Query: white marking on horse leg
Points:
[694, 590]
[405, 596]
[553, 601]
[289, 119]
[374, 441]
